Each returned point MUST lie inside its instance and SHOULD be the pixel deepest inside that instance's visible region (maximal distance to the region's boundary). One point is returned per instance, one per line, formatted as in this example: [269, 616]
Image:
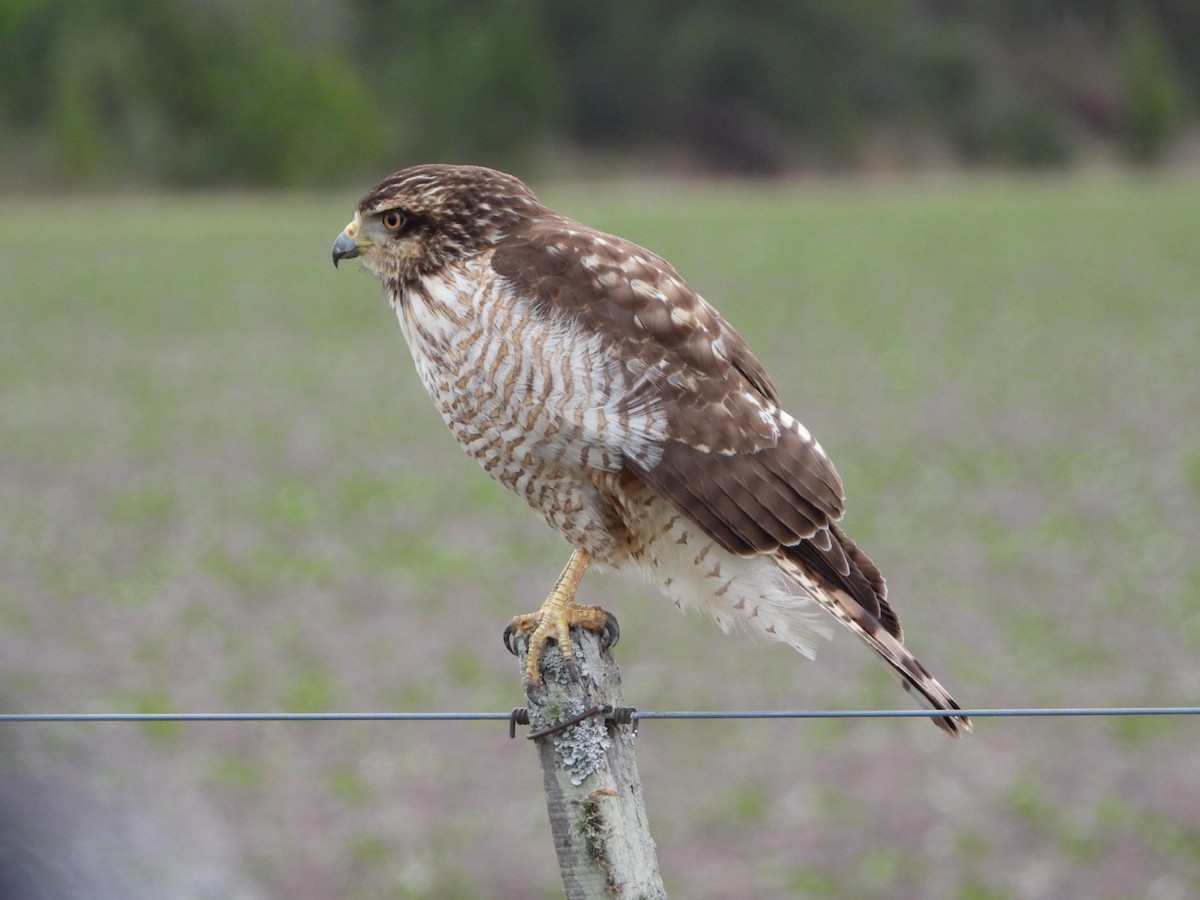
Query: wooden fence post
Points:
[593, 791]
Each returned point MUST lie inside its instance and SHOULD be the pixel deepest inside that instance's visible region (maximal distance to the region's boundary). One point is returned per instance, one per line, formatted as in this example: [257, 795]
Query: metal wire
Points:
[638, 715]
[250, 717]
[925, 713]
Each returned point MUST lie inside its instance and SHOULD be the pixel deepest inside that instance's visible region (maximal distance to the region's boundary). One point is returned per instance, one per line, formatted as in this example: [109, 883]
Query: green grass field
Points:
[222, 488]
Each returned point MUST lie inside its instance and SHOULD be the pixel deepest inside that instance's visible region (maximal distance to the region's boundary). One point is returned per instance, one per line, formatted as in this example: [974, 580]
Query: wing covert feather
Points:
[745, 471]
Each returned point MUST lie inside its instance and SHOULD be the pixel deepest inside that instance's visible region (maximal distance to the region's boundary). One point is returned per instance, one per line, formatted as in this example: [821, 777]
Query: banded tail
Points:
[829, 577]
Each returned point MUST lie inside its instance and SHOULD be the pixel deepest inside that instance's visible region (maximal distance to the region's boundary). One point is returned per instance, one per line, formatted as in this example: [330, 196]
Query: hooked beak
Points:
[345, 247]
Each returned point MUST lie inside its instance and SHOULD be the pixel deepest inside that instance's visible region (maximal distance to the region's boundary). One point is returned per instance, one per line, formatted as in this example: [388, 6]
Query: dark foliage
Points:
[280, 93]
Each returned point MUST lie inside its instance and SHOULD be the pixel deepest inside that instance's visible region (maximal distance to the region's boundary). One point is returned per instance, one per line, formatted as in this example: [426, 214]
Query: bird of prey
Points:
[583, 373]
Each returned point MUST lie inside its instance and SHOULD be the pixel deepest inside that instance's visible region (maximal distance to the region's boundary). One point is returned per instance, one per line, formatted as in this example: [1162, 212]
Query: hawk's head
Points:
[419, 219]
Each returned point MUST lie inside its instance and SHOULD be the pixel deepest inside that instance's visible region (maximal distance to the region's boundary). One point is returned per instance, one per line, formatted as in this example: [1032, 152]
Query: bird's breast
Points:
[544, 406]
[509, 380]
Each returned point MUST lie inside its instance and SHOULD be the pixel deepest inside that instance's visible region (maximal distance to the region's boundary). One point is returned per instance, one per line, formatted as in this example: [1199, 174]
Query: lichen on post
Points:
[589, 768]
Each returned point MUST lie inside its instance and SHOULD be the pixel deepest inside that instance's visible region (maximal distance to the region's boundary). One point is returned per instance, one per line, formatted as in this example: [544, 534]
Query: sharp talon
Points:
[573, 670]
[509, 631]
[611, 633]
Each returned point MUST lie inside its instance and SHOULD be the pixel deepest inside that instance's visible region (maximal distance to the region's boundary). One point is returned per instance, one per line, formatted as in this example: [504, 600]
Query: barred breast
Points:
[541, 405]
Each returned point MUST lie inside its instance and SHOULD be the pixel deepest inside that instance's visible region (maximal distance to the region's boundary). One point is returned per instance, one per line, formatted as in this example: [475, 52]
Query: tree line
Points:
[183, 92]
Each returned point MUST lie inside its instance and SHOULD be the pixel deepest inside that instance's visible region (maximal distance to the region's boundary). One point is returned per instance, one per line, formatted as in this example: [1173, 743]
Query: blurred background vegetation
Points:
[222, 488]
[273, 93]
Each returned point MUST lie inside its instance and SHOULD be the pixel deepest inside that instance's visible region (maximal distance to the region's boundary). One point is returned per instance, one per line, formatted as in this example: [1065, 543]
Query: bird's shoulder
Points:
[634, 299]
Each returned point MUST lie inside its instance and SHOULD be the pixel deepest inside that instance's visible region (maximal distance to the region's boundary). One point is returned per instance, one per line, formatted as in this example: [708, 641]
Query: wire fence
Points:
[636, 715]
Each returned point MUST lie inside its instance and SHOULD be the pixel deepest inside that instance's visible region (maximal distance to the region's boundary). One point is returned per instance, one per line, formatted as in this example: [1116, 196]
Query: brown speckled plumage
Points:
[584, 374]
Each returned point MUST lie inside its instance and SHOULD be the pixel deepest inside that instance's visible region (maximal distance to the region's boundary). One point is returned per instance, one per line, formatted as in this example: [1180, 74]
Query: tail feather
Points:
[913, 677]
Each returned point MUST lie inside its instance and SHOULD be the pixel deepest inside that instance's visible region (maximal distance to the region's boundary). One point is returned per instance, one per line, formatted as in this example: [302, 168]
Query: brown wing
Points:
[848, 568]
[732, 461]
[742, 469]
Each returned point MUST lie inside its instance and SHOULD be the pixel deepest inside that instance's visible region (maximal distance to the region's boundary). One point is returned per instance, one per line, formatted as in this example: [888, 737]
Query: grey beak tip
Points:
[344, 248]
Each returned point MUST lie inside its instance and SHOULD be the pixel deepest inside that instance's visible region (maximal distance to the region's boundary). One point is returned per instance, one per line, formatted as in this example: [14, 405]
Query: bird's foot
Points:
[554, 621]
[555, 625]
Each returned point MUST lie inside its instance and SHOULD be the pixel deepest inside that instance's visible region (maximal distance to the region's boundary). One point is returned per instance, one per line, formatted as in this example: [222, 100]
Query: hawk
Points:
[584, 374]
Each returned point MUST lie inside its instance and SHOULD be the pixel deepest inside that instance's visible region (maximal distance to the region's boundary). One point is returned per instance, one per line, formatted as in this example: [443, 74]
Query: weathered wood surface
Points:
[593, 792]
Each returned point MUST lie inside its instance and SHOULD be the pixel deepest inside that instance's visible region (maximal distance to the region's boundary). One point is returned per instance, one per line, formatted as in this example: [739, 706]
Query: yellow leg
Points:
[558, 615]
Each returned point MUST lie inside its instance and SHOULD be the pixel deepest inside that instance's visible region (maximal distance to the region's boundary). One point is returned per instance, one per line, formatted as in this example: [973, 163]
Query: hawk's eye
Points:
[394, 219]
